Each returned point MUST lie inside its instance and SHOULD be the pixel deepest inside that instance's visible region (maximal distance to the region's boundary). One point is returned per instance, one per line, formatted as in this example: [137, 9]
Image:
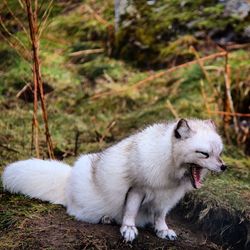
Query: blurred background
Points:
[109, 68]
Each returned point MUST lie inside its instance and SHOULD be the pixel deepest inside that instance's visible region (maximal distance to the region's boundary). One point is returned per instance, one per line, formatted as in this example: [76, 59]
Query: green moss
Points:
[179, 48]
[164, 31]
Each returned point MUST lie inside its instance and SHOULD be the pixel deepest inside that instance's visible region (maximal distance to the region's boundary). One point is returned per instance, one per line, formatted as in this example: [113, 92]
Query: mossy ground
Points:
[97, 123]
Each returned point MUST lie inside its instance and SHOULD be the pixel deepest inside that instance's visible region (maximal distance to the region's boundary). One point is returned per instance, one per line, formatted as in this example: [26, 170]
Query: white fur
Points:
[45, 180]
[146, 170]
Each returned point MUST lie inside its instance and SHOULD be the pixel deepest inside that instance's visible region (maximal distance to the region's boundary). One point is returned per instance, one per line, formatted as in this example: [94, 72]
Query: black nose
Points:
[223, 167]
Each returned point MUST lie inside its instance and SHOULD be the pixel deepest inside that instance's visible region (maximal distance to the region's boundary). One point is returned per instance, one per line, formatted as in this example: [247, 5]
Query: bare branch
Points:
[12, 36]
[227, 77]
[44, 19]
[99, 18]
[229, 113]
[27, 86]
[204, 96]
[16, 18]
[26, 55]
[172, 109]
[86, 52]
[32, 18]
[21, 3]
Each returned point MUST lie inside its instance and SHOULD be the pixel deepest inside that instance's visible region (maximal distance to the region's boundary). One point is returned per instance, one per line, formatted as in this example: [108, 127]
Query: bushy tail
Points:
[45, 180]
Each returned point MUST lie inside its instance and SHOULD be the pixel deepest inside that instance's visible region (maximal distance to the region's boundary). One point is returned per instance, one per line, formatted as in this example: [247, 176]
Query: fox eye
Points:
[203, 153]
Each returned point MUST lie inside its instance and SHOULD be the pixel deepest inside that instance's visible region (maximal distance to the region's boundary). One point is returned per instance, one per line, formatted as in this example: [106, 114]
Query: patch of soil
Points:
[229, 229]
[57, 230]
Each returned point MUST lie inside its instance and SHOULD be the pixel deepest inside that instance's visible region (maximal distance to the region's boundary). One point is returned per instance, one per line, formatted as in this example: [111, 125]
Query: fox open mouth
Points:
[195, 173]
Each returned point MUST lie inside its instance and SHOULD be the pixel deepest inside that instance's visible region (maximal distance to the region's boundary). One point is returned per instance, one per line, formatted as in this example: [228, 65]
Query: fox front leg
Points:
[161, 228]
[133, 201]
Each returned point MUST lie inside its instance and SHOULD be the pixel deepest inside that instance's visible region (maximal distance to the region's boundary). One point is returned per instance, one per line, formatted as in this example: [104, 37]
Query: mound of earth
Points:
[57, 230]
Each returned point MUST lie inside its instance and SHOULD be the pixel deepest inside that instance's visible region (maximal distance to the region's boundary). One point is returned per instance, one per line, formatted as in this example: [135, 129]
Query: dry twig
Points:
[34, 35]
[27, 86]
[107, 130]
[109, 26]
[35, 126]
[86, 52]
[97, 16]
[76, 142]
[18, 48]
[238, 46]
[204, 96]
[171, 108]
[44, 18]
[229, 113]
[16, 18]
[15, 42]
[9, 149]
[229, 100]
[201, 64]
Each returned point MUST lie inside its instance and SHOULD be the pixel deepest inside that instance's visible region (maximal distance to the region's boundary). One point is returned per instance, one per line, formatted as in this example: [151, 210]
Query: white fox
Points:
[134, 182]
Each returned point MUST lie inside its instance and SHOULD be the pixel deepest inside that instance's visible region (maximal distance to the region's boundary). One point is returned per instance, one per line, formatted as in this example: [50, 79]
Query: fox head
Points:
[197, 146]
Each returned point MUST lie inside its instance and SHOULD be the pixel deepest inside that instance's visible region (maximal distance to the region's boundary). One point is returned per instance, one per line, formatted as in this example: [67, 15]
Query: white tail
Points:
[45, 180]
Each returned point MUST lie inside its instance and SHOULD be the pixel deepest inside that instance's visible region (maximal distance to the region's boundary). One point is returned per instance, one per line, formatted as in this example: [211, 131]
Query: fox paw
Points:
[106, 220]
[129, 233]
[166, 234]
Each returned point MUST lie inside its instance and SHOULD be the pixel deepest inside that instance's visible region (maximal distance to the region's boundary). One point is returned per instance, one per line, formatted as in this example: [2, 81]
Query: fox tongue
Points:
[196, 172]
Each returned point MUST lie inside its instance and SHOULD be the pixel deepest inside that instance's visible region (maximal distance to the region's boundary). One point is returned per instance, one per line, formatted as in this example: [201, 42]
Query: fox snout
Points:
[223, 167]
[217, 166]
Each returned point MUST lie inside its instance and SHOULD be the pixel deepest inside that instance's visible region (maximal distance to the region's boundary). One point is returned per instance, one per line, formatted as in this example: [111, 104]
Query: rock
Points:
[237, 8]
[247, 31]
[120, 9]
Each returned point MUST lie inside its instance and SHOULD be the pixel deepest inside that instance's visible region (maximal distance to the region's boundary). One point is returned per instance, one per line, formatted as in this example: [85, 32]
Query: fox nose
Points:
[223, 167]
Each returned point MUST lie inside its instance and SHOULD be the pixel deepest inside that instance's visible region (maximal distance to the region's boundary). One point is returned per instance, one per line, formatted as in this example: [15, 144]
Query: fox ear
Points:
[182, 130]
[211, 123]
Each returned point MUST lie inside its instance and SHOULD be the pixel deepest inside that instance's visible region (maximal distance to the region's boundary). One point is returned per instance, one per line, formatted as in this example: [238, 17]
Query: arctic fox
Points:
[134, 182]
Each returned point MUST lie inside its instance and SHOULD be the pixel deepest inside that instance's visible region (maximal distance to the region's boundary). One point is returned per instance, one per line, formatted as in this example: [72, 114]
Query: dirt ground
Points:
[57, 230]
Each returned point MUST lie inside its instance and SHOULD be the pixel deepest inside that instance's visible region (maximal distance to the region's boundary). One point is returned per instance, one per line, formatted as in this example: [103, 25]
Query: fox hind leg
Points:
[107, 220]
